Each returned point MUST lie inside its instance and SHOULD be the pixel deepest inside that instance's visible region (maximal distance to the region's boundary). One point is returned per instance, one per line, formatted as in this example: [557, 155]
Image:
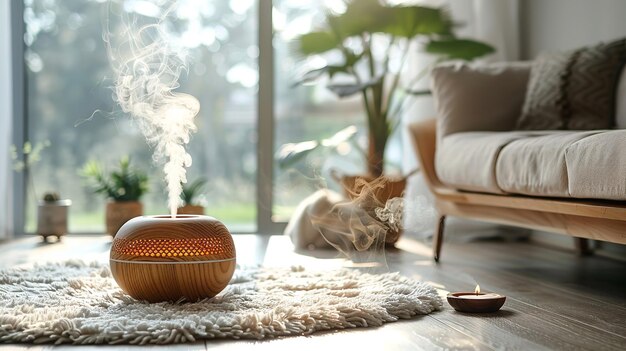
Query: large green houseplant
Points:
[123, 188]
[351, 35]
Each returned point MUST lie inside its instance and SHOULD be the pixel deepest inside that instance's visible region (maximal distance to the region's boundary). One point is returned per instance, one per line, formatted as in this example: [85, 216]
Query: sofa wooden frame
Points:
[582, 219]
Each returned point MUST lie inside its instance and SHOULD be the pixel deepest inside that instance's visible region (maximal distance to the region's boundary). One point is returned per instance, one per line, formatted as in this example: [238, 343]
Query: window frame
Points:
[265, 118]
[20, 120]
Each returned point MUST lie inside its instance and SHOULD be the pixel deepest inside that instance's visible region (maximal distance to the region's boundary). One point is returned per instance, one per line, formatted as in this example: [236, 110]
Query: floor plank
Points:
[422, 333]
[541, 316]
[199, 346]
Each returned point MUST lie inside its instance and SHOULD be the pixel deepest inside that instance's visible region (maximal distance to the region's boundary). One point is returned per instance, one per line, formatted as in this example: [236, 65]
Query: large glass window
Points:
[69, 77]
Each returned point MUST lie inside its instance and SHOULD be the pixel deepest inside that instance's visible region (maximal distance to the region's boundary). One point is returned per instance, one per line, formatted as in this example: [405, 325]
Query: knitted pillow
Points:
[592, 86]
[545, 98]
[574, 90]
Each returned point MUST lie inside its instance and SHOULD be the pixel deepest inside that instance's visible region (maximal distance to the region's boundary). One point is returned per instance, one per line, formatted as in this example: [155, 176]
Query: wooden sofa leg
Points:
[438, 237]
[582, 247]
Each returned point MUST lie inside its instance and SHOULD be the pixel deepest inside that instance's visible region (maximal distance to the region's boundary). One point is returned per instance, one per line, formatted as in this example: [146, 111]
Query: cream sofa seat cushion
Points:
[568, 164]
[467, 161]
[596, 166]
[536, 165]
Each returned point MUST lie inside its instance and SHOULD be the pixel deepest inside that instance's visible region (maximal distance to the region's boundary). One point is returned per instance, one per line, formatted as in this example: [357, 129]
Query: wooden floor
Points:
[555, 300]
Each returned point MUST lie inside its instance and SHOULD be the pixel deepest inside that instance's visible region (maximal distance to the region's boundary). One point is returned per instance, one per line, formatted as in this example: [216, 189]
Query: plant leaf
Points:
[340, 137]
[360, 16]
[409, 21]
[125, 184]
[316, 43]
[291, 153]
[191, 191]
[352, 59]
[343, 90]
[317, 73]
[418, 92]
[464, 49]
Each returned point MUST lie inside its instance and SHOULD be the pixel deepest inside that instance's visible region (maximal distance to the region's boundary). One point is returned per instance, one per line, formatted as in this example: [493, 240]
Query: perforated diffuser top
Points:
[184, 238]
[172, 247]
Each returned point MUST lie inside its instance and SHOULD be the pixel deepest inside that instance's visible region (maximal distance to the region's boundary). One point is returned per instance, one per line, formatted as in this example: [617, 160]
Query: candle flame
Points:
[477, 290]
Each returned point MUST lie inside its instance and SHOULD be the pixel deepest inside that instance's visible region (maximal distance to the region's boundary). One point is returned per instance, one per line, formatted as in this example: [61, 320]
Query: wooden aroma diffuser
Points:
[164, 258]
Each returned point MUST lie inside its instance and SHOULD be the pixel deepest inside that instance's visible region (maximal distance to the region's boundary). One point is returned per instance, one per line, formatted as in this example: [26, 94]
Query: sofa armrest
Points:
[423, 134]
[478, 97]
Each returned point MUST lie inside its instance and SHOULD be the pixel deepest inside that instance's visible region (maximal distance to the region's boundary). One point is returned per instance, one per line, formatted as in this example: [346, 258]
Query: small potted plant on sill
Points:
[192, 197]
[123, 188]
[52, 211]
[375, 75]
[52, 214]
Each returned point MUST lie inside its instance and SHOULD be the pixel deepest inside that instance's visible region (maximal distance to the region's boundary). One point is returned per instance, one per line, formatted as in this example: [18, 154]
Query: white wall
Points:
[553, 25]
[6, 116]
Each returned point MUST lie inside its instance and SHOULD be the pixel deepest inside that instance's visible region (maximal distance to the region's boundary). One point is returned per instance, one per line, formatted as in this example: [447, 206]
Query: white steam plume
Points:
[147, 68]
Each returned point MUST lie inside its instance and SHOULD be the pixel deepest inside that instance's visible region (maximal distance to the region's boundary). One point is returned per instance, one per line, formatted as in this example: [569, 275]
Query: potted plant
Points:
[122, 187]
[351, 36]
[52, 211]
[192, 197]
[52, 215]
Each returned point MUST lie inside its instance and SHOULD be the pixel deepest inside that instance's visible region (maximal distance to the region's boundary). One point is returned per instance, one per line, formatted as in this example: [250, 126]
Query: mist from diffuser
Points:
[147, 68]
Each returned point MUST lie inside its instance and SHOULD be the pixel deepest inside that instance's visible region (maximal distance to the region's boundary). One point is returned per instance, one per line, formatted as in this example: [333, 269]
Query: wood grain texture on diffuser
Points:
[169, 282]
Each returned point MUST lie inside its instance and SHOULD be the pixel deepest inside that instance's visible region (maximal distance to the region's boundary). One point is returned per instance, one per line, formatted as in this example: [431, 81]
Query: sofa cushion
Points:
[545, 97]
[596, 166]
[591, 90]
[574, 90]
[467, 161]
[536, 165]
[478, 97]
[579, 164]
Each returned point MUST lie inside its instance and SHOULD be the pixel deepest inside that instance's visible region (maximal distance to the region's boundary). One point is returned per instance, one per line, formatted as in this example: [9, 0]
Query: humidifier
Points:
[165, 258]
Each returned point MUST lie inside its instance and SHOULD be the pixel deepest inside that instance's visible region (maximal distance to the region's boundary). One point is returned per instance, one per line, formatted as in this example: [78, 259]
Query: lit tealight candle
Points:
[480, 296]
[476, 302]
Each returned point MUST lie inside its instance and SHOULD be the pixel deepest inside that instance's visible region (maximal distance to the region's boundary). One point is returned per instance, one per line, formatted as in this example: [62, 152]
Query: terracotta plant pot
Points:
[52, 218]
[191, 209]
[118, 213]
[160, 258]
[390, 187]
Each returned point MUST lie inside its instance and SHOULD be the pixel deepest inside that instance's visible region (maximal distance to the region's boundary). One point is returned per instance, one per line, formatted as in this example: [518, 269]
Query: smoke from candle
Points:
[147, 67]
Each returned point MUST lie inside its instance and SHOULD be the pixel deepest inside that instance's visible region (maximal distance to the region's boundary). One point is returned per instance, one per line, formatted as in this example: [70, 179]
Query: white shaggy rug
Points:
[80, 303]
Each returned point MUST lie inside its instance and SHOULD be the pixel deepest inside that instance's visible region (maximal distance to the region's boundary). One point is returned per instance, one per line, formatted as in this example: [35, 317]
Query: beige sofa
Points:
[478, 166]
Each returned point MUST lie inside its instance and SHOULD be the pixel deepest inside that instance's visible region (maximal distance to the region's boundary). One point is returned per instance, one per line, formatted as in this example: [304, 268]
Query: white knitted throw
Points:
[74, 302]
